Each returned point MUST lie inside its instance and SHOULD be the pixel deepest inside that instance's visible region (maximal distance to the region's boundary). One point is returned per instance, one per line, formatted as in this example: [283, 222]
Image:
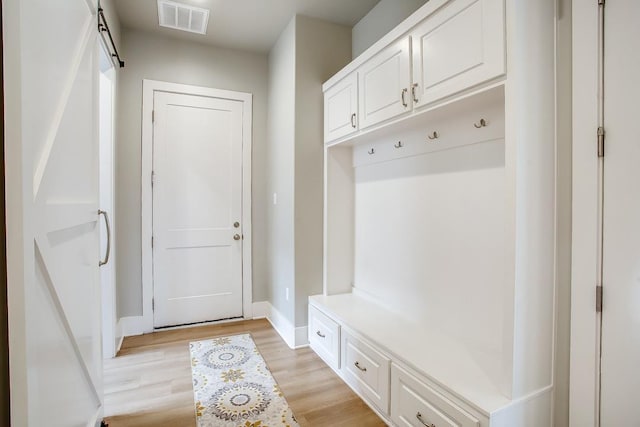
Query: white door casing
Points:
[179, 230]
[620, 342]
[54, 293]
[197, 209]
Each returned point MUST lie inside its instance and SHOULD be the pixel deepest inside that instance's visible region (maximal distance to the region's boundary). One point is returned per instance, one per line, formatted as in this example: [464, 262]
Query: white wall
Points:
[152, 57]
[385, 16]
[307, 53]
[322, 49]
[430, 242]
[280, 169]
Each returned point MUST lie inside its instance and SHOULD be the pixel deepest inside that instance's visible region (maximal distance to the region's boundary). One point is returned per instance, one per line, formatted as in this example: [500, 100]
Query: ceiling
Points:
[252, 25]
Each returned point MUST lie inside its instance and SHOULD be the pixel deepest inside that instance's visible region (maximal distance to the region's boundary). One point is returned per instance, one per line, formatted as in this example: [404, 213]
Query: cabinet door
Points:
[459, 46]
[341, 108]
[384, 85]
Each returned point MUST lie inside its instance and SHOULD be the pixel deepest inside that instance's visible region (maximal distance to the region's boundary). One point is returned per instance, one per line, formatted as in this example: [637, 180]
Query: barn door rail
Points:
[103, 27]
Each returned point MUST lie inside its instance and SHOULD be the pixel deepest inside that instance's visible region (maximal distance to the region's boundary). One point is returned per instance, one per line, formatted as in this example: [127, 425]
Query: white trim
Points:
[294, 337]
[261, 309]
[119, 335]
[584, 333]
[132, 326]
[148, 88]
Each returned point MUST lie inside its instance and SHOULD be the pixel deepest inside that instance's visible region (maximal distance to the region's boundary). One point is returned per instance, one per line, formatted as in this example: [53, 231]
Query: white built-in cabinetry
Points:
[438, 302]
[457, 48]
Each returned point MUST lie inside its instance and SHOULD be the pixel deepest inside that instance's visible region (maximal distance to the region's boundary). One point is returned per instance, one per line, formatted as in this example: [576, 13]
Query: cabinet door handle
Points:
[419, 417]
[404, 101]
[353, 120]
[357, 365]
[413, 93]
[108, 254]
[320, 334]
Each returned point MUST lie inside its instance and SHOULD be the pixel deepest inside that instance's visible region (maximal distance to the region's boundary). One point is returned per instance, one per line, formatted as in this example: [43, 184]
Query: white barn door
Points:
[55, 315]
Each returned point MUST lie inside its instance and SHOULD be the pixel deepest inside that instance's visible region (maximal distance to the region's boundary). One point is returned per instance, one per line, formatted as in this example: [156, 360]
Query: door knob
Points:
[236, 224]
[236, 237]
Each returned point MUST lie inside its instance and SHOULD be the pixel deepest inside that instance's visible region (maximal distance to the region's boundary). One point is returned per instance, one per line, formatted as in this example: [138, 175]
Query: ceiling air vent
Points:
[182, 17]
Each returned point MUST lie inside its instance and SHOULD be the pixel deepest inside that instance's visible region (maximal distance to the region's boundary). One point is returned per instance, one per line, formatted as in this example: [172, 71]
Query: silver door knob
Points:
[236, 237]
[236, 224]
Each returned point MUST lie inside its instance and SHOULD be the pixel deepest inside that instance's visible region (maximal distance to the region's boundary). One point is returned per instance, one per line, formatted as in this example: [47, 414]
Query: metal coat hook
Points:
[433, 135]
[482, 124]
[398, 145]
[372, 151]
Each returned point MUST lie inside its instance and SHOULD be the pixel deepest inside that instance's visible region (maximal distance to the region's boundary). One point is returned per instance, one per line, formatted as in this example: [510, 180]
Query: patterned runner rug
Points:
[233, 387]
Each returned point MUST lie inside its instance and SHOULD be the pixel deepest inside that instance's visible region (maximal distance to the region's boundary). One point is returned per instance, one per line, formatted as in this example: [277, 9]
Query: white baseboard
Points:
[132, 325]
[294, 337]
[119, 335]
[261, 309]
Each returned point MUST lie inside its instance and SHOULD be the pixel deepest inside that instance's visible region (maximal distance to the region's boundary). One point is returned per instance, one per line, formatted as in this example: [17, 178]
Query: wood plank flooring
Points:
[149, 383]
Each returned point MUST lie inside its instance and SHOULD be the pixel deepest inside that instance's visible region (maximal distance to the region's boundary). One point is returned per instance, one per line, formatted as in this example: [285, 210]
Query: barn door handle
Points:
[106, 221]
[419, 417]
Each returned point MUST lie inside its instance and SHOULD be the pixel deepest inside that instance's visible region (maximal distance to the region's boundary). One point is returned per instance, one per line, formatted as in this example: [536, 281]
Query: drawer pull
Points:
[419, 417]
[321, 335]
[357, 365]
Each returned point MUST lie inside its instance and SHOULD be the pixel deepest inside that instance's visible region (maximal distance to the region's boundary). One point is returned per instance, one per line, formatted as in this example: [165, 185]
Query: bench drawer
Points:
[413, 403]
[324, 337]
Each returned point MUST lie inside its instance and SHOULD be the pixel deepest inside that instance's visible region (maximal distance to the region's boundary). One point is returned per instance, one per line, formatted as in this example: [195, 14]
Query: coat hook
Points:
[482, 124]
[433, 135]
[398, 145]
[371, 151]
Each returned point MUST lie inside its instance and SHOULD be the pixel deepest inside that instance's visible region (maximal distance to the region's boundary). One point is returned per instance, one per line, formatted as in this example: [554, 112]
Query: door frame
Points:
[149, 87]
[586, 220]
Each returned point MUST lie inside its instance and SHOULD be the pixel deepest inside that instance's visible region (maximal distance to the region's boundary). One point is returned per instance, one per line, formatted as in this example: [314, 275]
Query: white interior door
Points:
[197, 209]
[620, 377]
[59, 315]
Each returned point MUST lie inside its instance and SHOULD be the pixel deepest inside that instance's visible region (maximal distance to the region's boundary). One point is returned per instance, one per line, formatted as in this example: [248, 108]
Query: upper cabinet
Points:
[384, 84]
[457, 47]
[341, 108]
[446, 48]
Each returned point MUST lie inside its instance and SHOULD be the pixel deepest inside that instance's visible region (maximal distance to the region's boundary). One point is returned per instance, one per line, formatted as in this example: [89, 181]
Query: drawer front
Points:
[324, 337]
[416, 404]
[366, 370]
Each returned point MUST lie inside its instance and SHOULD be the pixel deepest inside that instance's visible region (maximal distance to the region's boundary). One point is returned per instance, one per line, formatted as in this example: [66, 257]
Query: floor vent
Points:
[182, 17]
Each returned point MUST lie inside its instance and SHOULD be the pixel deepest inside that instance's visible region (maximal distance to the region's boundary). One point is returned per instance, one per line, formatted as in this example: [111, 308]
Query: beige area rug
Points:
[233, 387]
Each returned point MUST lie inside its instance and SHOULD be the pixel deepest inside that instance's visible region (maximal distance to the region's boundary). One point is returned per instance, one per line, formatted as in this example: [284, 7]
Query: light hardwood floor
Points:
[149, 383]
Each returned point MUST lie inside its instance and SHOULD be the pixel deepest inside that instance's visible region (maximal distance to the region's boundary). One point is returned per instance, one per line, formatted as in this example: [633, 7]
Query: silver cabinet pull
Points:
[353, 120]
[106, 221]
[413, 93]
[404, 101]
[419, 417]
[320, 335]
[236, 237]
[357, 365]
